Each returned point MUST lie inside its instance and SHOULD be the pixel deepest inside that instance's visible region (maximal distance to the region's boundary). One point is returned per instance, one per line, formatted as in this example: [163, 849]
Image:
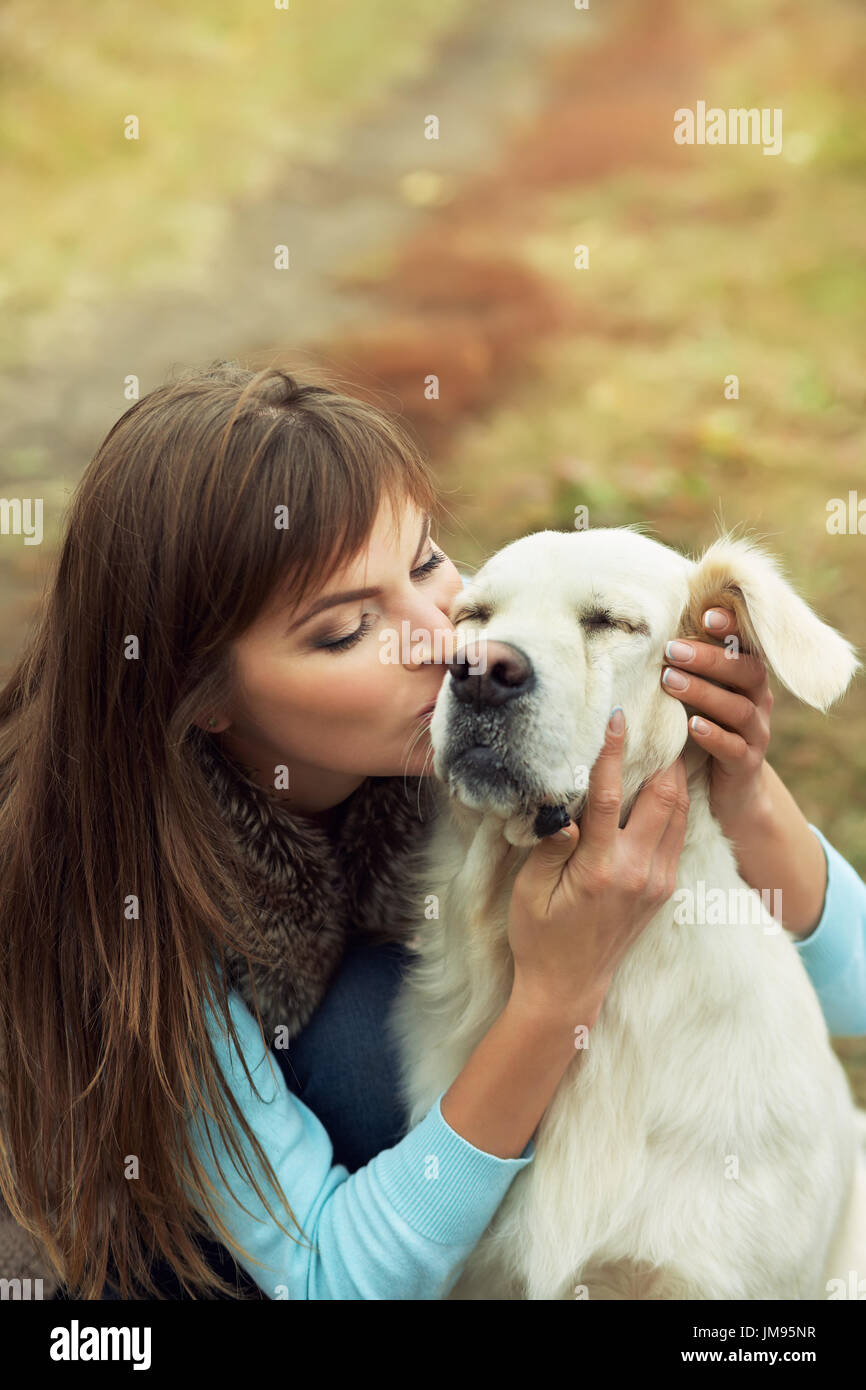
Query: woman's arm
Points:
[834, 953]
[777, 851]
[398, 1228]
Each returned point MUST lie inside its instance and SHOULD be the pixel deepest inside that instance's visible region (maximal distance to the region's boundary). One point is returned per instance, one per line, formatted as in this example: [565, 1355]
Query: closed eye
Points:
[600, 620]
[596, 620]
[473, 615]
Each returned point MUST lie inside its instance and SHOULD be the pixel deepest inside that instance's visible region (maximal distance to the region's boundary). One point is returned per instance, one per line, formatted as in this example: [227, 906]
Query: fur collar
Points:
[317, 889]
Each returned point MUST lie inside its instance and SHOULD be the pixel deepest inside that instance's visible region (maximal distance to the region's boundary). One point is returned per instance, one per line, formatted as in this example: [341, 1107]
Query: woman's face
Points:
[319, 692]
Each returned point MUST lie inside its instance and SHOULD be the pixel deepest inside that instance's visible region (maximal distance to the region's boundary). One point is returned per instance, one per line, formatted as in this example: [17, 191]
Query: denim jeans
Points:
[342, 1065]
[344, 1069]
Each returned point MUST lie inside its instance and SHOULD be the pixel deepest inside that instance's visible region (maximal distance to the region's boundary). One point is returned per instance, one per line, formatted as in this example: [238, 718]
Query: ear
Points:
[810, 658]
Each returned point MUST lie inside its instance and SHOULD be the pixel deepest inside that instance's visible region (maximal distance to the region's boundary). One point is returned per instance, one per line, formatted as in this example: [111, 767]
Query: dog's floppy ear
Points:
[807, 656]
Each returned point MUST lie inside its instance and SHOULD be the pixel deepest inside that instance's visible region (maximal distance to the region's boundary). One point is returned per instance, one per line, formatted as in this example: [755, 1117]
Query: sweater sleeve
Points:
[834, 953]
[398, 1228]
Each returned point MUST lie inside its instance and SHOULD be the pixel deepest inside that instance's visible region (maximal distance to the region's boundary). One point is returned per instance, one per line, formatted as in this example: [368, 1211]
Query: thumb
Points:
[543, 865]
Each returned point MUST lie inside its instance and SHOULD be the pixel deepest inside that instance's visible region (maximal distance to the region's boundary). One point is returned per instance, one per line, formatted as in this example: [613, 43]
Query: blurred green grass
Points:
[225, 94]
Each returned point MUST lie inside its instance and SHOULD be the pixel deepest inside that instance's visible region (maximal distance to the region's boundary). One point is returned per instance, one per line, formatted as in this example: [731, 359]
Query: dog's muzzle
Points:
[489, 730]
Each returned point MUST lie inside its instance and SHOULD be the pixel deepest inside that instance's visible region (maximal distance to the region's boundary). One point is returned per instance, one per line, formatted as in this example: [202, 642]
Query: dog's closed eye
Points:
[594, 620]
[600, 620]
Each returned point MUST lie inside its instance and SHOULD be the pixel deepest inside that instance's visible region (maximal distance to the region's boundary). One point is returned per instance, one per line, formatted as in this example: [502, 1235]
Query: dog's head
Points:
[561, 626]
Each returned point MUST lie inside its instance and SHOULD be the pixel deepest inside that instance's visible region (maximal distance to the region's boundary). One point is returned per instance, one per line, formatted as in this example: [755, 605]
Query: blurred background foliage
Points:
[228, 90]
[558, 387]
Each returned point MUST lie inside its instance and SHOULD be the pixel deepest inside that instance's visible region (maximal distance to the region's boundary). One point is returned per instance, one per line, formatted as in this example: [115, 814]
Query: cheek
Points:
[626, 676]
[598, 685]
[662, 730]
[452, 585]
[349, 688]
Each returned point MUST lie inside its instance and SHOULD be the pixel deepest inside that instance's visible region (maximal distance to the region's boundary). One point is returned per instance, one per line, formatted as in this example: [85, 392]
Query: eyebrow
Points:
[348, 595]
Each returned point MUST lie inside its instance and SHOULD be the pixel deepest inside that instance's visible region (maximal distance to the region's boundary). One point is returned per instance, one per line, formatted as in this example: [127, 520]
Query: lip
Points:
[425, 709]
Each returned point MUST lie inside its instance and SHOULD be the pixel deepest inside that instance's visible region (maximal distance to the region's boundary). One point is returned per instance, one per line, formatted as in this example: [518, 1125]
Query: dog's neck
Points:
[490, 861]
[696, 760]
[697, 778]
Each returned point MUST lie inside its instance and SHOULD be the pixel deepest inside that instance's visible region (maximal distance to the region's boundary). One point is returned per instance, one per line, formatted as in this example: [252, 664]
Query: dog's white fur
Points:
[704, 1143]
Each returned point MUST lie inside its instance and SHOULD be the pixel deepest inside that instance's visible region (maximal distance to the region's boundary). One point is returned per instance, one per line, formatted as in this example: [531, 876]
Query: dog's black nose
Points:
[491, 674]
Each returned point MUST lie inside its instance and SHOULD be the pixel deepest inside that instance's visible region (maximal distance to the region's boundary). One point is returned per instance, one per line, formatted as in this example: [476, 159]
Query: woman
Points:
[212, 789]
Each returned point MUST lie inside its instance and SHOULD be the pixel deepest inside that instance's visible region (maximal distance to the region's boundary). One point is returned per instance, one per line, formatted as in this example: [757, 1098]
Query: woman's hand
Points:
[777, 853]
[732, 690]
[584, 895]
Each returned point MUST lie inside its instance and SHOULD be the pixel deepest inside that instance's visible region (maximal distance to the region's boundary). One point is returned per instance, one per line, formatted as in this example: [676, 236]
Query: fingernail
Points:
[566, 830]
[699, 725]
[616, 723]
[714, 619]
[679, 651]
[675, 680]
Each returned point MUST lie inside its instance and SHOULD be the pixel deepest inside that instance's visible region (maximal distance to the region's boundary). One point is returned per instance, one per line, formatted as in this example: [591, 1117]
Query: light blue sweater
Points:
[402, 1226]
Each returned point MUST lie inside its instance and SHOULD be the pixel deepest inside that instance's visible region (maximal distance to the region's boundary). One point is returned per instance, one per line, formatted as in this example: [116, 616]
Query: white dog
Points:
[703, 1143]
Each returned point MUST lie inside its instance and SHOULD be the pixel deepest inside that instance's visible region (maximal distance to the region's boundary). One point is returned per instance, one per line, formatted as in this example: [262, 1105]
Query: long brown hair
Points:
[171, 550]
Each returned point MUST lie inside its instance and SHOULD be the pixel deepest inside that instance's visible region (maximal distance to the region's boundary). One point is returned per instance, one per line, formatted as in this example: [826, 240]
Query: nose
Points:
[503, 673]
